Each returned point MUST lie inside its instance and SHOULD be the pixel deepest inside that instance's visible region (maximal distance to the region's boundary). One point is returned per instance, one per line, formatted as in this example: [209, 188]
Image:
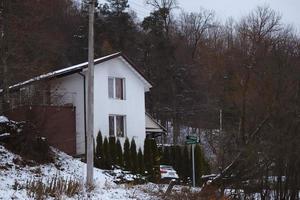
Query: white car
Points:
[168, 172]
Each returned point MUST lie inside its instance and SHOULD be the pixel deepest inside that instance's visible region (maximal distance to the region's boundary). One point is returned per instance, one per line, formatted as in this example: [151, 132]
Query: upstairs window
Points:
[116, 88]
[117, 125]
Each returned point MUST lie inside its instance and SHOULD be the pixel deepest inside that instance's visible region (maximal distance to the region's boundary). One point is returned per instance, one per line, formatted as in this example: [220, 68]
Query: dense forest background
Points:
[249, 69]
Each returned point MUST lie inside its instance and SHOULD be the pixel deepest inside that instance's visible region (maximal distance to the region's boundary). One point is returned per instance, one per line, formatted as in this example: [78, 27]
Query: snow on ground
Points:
[67, 167]
[3, 119]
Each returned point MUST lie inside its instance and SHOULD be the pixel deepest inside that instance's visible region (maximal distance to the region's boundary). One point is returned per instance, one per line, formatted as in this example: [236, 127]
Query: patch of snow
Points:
[3, 119]
[4, 134]
[67, 167]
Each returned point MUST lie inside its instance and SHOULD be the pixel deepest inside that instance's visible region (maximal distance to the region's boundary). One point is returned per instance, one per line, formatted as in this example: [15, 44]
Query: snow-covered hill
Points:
[13, 172]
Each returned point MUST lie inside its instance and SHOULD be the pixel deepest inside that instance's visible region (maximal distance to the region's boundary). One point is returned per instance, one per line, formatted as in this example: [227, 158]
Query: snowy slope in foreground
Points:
[67, 167]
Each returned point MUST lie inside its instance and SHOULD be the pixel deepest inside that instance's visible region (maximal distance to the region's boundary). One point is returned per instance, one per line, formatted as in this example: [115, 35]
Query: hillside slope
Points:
[14, 172]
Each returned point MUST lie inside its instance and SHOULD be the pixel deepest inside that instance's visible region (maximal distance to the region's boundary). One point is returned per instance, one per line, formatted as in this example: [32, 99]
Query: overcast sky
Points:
[289, 9]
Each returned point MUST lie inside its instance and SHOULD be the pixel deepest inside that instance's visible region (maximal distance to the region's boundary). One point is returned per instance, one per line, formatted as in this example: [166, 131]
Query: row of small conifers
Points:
[109, 154]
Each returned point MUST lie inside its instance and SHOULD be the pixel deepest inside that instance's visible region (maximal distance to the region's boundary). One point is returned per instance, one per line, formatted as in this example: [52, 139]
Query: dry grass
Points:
[55, 187]
[187, 193]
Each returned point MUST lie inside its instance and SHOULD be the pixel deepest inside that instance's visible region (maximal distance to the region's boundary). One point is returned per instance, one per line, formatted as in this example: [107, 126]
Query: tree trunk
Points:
[176, 130]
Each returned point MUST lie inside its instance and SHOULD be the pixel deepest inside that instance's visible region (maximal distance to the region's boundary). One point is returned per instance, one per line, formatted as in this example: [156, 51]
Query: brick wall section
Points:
[56, 123]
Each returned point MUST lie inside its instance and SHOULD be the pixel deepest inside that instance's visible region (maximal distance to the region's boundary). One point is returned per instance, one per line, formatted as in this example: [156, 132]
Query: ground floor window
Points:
[117, 125]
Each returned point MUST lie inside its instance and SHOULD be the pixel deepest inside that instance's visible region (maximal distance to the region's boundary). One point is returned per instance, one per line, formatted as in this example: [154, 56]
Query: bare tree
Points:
[194, 25]
[158, 4]
[164, 9]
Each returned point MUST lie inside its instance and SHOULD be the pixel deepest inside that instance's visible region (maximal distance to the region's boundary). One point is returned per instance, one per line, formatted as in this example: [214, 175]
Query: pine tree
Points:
[133, 155]
[118, 6]
[119, 154]
[99, 151]
[106, 154]
[199, 164]
[173, 156]
[178, 160]
[148, 156]
[186, 163]
[166, 156]
[141, 166]
[155, 176]
[112, 149]
[127, 158]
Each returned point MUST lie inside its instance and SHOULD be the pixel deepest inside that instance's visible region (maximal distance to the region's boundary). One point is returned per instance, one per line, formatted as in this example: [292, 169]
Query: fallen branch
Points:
[218, 179]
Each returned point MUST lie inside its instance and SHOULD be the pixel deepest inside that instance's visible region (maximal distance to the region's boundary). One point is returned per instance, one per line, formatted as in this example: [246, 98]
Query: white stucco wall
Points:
[133, 107]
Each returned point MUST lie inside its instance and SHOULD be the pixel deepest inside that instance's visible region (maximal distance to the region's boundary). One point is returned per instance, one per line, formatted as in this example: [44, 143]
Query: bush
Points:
[23, 139]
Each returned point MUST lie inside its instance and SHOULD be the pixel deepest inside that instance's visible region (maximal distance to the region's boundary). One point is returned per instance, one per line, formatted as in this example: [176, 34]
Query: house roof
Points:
[153, 125]
[79, 67]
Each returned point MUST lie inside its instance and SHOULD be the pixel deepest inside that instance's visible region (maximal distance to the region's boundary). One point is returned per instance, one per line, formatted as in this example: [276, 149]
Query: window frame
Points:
[114, 93]
[115, 125]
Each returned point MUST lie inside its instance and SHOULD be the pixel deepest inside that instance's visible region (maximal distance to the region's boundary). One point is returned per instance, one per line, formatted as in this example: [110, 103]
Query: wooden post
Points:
[221, 121]
[170, 186]
[193, 164]
[90, 98]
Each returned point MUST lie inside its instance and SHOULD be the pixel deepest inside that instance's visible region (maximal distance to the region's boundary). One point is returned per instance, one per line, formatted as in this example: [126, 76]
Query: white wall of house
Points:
[133, 106]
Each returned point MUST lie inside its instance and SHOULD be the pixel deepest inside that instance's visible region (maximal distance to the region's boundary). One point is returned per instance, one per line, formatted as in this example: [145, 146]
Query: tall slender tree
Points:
[127, 156]
[119, 154]
[99, 151]
[133, 155]
[112, 149]
[141, 165]
[106, 154]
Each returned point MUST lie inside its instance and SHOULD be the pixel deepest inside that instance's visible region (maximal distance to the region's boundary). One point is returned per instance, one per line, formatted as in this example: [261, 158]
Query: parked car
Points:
[167, 172]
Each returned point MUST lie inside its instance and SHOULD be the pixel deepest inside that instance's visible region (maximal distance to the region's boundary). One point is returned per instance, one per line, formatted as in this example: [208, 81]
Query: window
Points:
[117, 125]
[116, 88]
[111, 126]
[110, 87]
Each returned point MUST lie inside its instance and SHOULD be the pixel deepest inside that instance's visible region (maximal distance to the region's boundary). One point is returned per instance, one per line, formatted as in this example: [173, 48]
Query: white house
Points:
[119, 98]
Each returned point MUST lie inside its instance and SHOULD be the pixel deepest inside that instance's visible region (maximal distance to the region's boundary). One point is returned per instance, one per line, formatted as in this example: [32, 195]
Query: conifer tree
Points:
[99, 151]
[118, 6]
[112, 149]
[155, 160]
[199, 164]
[106, 154]
[172, 156]
[127, 158]
[119, 154]
[178, 160]
[148, 156]
[166, 156]
[141, 166]
[186, 163]
[133, 155]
